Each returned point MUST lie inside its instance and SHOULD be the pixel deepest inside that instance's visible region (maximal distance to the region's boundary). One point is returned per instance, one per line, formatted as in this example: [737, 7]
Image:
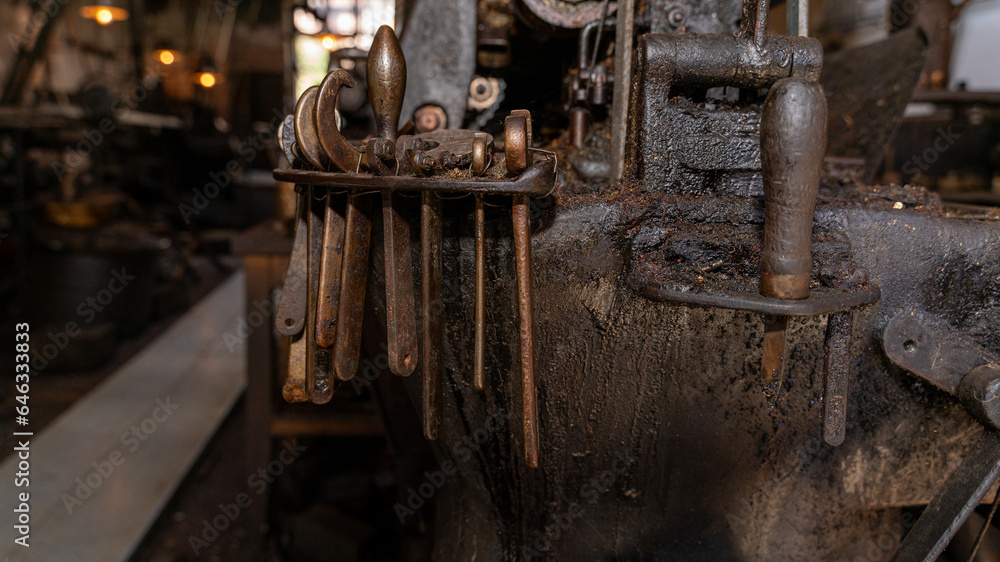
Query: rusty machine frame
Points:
[724, 344]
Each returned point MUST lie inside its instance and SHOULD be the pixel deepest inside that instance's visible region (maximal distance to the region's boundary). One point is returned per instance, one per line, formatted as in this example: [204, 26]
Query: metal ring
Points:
[479, 154]
[517, 139]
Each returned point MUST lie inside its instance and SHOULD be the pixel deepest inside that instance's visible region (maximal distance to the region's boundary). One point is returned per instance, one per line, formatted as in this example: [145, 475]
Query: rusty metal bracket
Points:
[453, 162]
[822, 300]
[536, 181]
[953, 503]
[932, 350]
[837, 303]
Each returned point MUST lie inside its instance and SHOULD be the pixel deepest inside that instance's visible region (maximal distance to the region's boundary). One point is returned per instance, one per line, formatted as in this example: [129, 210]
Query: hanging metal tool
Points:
[517, 146]
[481, 150]
[330, 258]
[386, 72]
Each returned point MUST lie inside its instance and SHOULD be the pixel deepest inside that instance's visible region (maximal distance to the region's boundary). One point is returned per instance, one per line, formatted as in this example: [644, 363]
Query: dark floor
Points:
[54, 391]
[334, 502]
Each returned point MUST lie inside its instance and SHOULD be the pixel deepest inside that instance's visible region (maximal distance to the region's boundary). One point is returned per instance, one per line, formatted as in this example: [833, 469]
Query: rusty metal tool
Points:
[318, 387]
[836, 376]
[431, 275]
[793, 142]
[951, 506]
[480, 154]
[433, 329]
[349, 279]
[517, 147]
[330, 267]
[934, 351]
[479, 369]
[294, 388]
[386, 73]
[306, 138]
[290, 315]
[353, 277]
[343, 156]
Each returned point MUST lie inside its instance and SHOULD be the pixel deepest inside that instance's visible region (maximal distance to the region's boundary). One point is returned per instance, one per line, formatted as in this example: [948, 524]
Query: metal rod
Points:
[522, 257]
[754, 22]
[479, 369]
[318, 386]
[622, 88]
[797, 17]
[951, 506]
[771, 366]
[433, 333]
[836, 378]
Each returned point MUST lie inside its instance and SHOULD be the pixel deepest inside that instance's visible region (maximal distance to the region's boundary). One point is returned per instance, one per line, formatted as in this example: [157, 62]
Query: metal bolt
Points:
[979, 392]
[676, 17]
[429, 118]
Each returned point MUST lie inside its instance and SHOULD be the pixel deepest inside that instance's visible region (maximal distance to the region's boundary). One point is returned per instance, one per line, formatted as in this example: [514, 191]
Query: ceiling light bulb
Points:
[104, 16]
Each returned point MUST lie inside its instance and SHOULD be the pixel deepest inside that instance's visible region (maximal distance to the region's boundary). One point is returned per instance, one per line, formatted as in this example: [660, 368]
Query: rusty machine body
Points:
[684, 329]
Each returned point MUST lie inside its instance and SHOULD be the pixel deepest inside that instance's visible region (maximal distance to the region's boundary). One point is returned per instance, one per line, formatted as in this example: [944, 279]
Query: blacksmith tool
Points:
[517, 148]
[793, 143]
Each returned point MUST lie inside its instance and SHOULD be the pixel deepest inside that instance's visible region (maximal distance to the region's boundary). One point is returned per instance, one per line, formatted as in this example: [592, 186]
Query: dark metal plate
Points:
[821, 300]
[535, 181]
[931, 349]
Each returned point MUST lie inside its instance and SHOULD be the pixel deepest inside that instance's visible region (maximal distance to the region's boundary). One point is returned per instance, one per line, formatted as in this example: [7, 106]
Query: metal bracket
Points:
[932, 350]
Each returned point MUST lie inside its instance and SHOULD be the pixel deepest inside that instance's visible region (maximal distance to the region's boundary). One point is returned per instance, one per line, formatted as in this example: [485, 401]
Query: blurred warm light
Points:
[166, 57]
[344, 23]
[306, 22]
[206, 79]
[329, 43]
[104, 14]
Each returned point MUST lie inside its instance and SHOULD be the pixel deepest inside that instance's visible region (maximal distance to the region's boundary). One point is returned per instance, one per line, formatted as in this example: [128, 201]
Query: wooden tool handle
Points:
[793, 143]
[386, 81]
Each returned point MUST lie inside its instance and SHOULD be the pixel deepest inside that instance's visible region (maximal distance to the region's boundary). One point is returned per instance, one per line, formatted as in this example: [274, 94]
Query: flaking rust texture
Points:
[656, 440]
